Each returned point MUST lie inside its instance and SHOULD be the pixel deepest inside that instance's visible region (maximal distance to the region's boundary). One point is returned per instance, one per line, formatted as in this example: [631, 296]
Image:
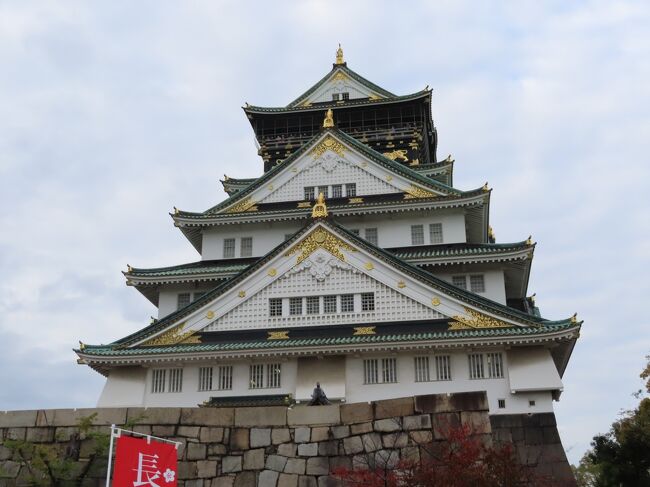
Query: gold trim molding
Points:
[173, 336]
[247, 205]
[416, 192]
[320, 238]
[278, 335]
[328, 143]
[364, 330]
[476, 320]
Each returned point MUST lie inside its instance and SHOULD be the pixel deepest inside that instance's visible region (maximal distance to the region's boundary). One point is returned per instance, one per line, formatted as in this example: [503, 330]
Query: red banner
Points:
[140, 464]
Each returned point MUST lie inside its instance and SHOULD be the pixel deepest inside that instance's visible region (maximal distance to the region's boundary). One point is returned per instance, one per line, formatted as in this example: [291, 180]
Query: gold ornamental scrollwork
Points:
[173, 336]
[476, 320]
[278, 335]
[320, 238]
[247, 205]
[364, 330]
[417, 192]
[328, 143]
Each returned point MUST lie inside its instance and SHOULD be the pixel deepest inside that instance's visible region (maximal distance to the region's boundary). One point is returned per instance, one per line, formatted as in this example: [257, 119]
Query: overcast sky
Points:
[113, 112]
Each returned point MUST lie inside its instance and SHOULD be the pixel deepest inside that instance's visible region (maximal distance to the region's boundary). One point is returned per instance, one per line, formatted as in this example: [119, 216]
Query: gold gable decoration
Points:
[339, 55]
[328, 143]
[173, 336]
[417, 192]
[320, 209]
[320, 238]
[246, 205]
[476, 320]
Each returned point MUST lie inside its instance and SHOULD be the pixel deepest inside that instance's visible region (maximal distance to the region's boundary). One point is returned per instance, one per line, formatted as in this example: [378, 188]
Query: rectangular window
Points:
[477, 284]
[228, 248]
[295, 306]
[368, 302]
[476, 366]
[313, 305]
[158, 381]
[495, 365]
[275, 307]
[371, 235]
[183, 300]
[256, 376]
[246, 247]
[435, 233]
[459, 281]
[198, 294]
[273, 375]
[422, 369]
[309, 192]
[264, 376]
[346, 95]
[224, 378]
[502, 403]
[175, 380]
[417, 234]
[443, 367]
[335, 97]
[350, 189]
[329, 304]
[337, 191]
[322, 189]
[370, 371]
[347, 303]
[389, 369]
[205, 378]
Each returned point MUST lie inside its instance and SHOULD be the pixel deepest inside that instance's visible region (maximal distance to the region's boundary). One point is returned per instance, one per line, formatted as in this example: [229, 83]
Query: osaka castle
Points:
[350, 260]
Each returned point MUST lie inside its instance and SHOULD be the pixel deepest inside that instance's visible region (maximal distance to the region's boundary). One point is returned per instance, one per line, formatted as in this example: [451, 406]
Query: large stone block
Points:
[211, 434]
[295, 465]
[390, 408]
[386, 459]
[245, 479]
[479, 422]
[40, 435]
[445, 403]
[254, 459]
[307, 481]
[340, 463]
[356, 412]
[15, 433]
[359, 428]
[321, 433]
[163, 431]
[101, 416]
[207, 416]
[328, 448]
[318, 466]
[371, 442]
[260, 437]
[388, 425]
[261, 416]
[276, 462]
[187, 470]
[287, 449]
[302, 434]
[206, 469]
[280, 435]
[421, 437]
[308, 449]
[418, 422]
[268, 478]
[11, 419]
[231, 464]
[224, 481]
[395, 440]
[196, 451]
[443, 423]
[239, 439]
[339, 432]
[10, 469]
[314, 415]
[352, 445]
[288, 480]
[188, 431]
[156, 416]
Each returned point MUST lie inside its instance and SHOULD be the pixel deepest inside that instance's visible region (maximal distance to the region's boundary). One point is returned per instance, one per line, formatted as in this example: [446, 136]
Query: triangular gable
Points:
[320, 248]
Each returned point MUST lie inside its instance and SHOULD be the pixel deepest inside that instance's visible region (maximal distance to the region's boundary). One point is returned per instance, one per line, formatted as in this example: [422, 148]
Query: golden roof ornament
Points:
[574, 318]
[329, 119]
[319, 210]
[339, 55]
[529, 240]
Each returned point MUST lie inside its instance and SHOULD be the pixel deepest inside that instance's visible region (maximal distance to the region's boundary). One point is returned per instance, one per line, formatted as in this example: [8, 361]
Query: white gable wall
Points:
[495, 286]
[339, 82]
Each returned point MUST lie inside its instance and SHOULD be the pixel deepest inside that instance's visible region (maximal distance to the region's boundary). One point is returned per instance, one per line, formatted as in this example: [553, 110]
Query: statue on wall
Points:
[318, 397]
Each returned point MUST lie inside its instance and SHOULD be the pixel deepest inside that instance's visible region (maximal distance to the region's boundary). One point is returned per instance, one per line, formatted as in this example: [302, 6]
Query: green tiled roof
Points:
[192, 268]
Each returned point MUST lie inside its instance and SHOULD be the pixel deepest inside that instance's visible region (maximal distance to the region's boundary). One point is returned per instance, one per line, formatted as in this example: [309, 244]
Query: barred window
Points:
[224, 378]
[495, 365]
[295, 306]
[443, 367]
[183, 300]
[502, 403]
[417, 234]
[246, 247]
[368, 302]
[459, 281]
[256, 376]
[335, 97]
[346, 95]
[273, 375]
[329, 304]
[228, 248]
[350, 189]
[337, 191]
[389, 369]
[477, 283]
[158, 380]
[322, 189]
[371, 235]
[205, 378]
[435, 233]
[309, 192]
[313, 305]
[370, 371]
[264, 376]
[422, 369]
[347, 303]
[476, 366]
[175, 380]
[275, 307]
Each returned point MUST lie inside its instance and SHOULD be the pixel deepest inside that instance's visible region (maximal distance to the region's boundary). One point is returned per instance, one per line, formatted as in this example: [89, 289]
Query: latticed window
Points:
[371, 235]
[435, 233]
[183, 300]
[228, 248]
[313, 305]
[224, 377]
[346, 95]
[329, 304]
[477, 283]
[422, 369]
[205, 378]
[459, 281]
[158, 380]
[350, 189]
[295, 306]
[370, 371]
[175, 380]
[335, 97]
[337, 191]
[322, 189]
[476, 366]
[264, 376]
[443, 367]
[368, 302]
[246, 247]
[417, 234]
[275, 307]
[309, 192]
[256, 376]
[389, 369]
[347, 303]
[495, 365]
[273, 372]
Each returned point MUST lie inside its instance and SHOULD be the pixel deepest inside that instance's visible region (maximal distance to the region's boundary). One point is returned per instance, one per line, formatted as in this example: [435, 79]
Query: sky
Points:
[111, 113]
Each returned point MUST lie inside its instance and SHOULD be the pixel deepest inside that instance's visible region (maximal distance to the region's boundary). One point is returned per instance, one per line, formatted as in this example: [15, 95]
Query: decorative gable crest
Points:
[320, 238]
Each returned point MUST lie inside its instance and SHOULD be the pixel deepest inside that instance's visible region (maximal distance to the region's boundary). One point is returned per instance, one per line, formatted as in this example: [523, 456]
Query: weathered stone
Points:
[40, 435]
[187, 470]
[443, 423]
[421, 437]
[356, 413]
[5, 453]
[216, 449]
[245, 479]
[418, 422]
[254, 459]
[340, 463]
[444, 403]
[371, 442]
[339, 432]
[352, 445]
[327, 481]
[395, 440]
[10, 469]
[532, 435]
[288, 480]
[11, 419]
[314, 415]
[287, 449]
[239, 439]
[305, 481]
[295, 465]
[308, 449]
[321, 433]
[410, 454]
[318, 466]
[143, 429]
[260, 437]
[478, 422]
[156, 416]
[386, 458]
[276, 462]
[302, 435]
[207, 416]
[550, 435]
[387, 425]
[390, 408]
[188, 431]
[328, 448]
[280, 435]
[255, 416]
[15, 433]
[196, 451]
[363, 462]
[231, 464]
[206, 468]
[64, 433]
[163, 431]
[194, 483]
[357, 429]
[211, 434]
[268, 478]
[225, 481]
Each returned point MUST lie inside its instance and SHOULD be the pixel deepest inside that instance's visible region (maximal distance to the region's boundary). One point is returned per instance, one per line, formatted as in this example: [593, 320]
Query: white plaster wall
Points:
[124, 388]
[168, 296]
[495, 286]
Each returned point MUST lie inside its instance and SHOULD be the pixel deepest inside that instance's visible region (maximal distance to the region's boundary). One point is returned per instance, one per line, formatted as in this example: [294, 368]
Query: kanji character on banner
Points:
[139, 463]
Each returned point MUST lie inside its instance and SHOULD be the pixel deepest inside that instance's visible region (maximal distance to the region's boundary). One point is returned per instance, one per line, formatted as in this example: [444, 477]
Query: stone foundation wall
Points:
[287, 447]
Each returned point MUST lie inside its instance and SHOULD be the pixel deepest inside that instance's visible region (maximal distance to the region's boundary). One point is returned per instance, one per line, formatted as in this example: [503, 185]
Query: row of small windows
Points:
[334, 191]
[370, 234]
[314, 305]
[245, 247]
[476, 282]
[340, 96]
[184, 299]
[435, 234]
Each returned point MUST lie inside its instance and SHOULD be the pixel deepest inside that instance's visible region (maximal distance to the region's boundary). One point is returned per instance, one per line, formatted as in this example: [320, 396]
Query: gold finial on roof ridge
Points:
[339, 55]
[320, 209]
[574, 318]
[529, 240]
[329, 119]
